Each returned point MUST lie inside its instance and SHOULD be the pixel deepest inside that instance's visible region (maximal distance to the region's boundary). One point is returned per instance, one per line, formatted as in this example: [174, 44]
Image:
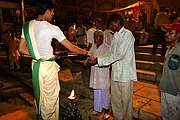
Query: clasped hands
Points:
[91, 60]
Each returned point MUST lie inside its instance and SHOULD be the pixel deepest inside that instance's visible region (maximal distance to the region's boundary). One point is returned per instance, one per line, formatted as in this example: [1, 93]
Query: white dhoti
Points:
[44, 78]
[47, 92]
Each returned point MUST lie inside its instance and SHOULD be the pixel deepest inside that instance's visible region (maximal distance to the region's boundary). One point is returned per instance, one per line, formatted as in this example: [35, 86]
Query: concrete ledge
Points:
[149, 57]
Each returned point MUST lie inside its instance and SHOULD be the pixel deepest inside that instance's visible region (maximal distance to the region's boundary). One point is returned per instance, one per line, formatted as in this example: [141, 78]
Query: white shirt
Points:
[100, 76]
[108, 36]
[90, 35]
[44, 32]
[121, 56]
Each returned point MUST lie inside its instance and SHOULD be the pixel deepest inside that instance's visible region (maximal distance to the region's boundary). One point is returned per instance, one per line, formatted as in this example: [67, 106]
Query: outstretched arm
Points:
[75, 49]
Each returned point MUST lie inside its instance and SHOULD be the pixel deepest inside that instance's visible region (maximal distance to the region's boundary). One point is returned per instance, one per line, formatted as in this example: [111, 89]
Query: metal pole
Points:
[23, 15]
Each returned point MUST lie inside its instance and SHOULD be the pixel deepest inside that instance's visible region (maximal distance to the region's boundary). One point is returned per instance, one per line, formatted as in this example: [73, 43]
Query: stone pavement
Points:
[146, 98]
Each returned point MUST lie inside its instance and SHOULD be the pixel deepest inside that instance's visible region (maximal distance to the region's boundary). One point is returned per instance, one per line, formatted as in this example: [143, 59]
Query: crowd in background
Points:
[92, 34]
[142, 31]
[80, 32]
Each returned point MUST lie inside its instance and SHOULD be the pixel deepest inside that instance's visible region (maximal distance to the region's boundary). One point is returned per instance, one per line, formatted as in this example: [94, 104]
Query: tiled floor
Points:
[146, 101]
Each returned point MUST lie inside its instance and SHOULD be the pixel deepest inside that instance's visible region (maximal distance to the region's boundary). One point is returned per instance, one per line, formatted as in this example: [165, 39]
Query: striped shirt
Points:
[121, 56]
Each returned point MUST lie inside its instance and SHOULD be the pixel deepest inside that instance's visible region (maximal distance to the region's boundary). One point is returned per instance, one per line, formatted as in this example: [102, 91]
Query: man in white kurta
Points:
[100, 76]
[121, 56]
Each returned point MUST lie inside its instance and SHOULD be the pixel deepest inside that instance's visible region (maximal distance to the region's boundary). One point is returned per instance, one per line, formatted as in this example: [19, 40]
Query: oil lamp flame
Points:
[72, 95]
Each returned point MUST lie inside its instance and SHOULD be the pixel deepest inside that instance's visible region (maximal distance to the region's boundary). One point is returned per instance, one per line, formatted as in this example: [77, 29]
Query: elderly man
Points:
[121, 57]
[100, 76]
[170, 80]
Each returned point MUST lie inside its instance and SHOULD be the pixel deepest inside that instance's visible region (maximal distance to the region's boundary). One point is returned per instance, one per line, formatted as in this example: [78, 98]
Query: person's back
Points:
[161, 17]
[41, 28]
[80, 35]
[36, 41]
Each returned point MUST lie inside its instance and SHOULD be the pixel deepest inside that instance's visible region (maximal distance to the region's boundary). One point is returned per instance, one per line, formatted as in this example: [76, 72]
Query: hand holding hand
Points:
[92, 60]
[89, 54]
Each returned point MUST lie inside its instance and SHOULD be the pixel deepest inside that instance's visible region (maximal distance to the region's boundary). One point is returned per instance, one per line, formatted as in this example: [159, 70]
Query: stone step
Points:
[146, 75]
[145, 106]
[29, 98]
[149, 57]
[146, 48]
[149, 65]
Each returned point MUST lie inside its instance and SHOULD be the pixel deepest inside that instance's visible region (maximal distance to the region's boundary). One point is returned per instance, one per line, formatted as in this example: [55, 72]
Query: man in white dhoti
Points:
[36, 41]
[100, 76]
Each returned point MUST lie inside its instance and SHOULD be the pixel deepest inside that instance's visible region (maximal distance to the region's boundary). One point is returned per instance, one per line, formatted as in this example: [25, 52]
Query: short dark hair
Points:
[43, 5]
[115, 17]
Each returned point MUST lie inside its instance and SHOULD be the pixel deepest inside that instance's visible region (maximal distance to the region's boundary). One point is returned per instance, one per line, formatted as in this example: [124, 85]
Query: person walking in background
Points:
[14, 55]
[170, 80]
[100, 76]
[36, 41]
[121, 56]
[161, 18]
[143, 18]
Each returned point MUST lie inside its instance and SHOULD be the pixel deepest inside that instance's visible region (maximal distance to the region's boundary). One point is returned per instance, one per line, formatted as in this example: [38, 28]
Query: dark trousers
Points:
[159, 39]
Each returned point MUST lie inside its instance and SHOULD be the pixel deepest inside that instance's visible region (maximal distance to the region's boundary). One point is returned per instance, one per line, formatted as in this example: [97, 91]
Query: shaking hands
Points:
[91, 61]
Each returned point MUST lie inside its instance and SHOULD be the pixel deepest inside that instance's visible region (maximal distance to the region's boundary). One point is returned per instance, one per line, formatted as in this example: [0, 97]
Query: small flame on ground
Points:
[72, 95]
